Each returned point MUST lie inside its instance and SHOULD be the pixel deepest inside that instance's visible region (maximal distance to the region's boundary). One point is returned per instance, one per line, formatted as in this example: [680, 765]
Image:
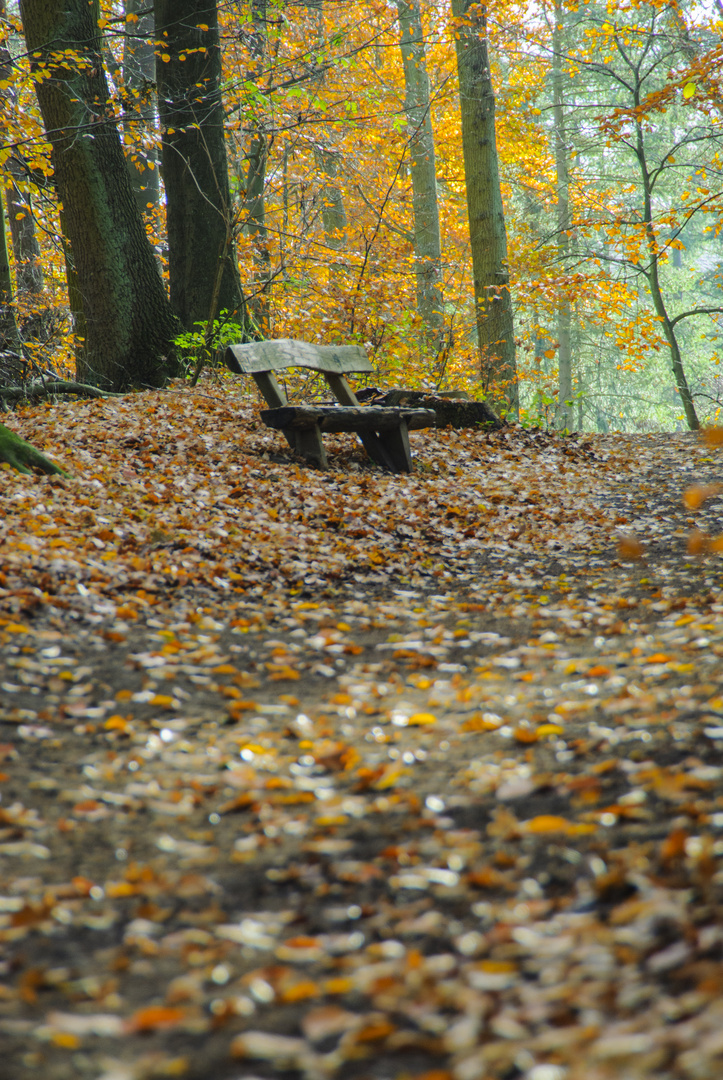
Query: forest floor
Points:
[316, 775]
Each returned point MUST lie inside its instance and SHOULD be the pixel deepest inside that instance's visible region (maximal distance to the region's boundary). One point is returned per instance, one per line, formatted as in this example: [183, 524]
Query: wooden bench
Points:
[383, 431]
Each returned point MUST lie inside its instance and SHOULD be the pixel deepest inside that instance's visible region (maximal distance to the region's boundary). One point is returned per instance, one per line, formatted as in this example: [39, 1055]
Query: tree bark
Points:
[427, 240]
[139, 79]
[9, 334]
[203, 271]
[128, 321]
[652, 273]
[488, 237]
[564, 315]
[23, 457]
[255, 198]
[26, 249]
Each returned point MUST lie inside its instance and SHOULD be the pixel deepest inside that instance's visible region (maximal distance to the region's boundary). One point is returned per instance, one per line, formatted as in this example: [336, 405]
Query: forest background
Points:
[350, 157]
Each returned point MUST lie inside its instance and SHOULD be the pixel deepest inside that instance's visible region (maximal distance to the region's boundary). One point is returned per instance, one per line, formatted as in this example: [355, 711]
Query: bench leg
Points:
[396, 445]
[308, 443]
[375, 449]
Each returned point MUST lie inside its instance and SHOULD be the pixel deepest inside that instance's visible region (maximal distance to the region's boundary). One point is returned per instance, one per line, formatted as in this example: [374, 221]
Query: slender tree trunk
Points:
[427, 240]
[26, 249]
[330, 162]
[255, 201]
[564, 319]
[652, 274]
[488, 237]
[9, 334]
[128, 321]
[139, 80]
[202, 260]
[333, 214]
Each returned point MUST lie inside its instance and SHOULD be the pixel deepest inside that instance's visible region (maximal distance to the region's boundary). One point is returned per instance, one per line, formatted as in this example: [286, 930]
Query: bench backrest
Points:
[261, 356]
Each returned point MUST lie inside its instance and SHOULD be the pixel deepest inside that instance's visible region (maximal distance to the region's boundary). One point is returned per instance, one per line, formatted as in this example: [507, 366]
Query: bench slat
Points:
[332, 419]
[259, 356]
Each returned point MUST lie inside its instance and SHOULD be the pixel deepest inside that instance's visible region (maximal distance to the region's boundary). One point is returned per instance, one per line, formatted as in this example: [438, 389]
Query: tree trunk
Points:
[128, 321]
[564, 317]
[488, 237]
[139, 79]
[26, 249]
[254, 201]
[202, 261]
[23, 457]
[9, 334]
[652, 273]
[427, 240]
[333, 214]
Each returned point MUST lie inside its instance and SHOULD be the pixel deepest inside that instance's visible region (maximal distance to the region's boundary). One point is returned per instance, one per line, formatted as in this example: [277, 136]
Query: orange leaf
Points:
[713, 436]
[629, 547]
[153, 1017]
[545, 823]
[300, 991]
[698, 542]
[696, 494]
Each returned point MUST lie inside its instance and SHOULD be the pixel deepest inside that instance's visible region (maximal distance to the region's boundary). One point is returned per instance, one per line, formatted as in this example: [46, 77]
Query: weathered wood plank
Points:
[332, 419]
[396, 444]
[259, 356]
[340, 389]
[273, 394]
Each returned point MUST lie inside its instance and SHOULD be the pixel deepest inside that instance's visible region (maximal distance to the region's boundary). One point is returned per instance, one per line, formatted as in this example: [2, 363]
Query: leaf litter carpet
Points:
[313, 775]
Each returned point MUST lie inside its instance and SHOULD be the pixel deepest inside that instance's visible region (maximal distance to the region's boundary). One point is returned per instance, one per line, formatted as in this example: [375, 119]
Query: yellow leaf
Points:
[689, 90]
[420, 719]
[65, 1039]
[549, 729]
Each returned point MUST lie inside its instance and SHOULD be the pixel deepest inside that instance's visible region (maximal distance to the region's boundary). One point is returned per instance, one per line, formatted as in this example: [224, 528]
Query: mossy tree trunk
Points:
[129, 324]
[202, 261]
[488, 236]
[23, 457]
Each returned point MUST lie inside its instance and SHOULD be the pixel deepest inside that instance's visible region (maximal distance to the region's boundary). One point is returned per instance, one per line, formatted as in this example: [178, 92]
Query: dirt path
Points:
[453, 820]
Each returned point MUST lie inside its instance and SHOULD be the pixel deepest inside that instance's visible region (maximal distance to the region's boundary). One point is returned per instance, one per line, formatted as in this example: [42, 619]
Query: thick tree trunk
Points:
[202, 262]
[427, 240]
[139, 80]
[488, 237]
[564, 316]
[128, 321]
